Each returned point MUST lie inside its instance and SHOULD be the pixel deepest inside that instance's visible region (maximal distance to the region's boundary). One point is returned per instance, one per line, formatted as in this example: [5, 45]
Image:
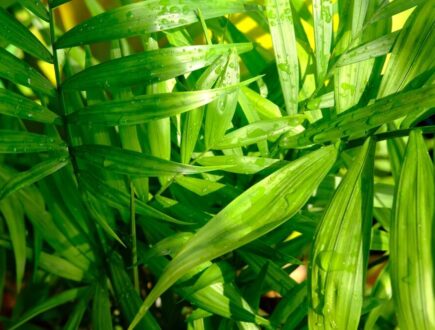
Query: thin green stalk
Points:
[134, 239]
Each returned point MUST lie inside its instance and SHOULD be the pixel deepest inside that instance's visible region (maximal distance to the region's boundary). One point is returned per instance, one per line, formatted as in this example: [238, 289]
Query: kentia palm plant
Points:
[195, 170]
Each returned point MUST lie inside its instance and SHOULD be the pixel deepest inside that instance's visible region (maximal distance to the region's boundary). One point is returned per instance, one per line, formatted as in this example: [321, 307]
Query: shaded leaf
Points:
[133, 163]
[36, 7]
[16, 34]
[101, 314]
[18, 106]
[24, 142]
[33, 175]
[19, 72]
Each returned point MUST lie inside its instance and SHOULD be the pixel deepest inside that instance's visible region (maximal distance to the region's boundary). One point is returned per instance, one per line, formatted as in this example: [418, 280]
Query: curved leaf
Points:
[36, 7]
[24, 142]
[15, 105]
[150, 66]
[33, 175]
[238, 164]
[411, 239]
[19, 72]
[279, 14]
[261, 208]
[360, 120]
[260, 131]
[16, 34]
[147, 108]
[147, 17]
[133, 163]
[340, 249]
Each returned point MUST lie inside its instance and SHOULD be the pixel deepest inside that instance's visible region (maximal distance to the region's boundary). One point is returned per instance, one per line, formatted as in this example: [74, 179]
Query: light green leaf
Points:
[147, 17]
[265, 108]
[199, 186]
[15, 105]
[147, 108]
[322, 11]
[413, 48]
[133, 163]
[15, 33]
[340, 249]
[371, 49]
[360, 120]
[101, 314]
[279, 14]
[36, 7]
[238, 164]
[257, 211]
[192, 122]
[24, 142]
[411, 239]
[151, 66]
[53, 302]
[19, 72]
[220, 112]
[260, 131]
[33, 175]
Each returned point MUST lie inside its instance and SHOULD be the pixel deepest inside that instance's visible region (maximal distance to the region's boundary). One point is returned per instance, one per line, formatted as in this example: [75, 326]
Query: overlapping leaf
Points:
[411, 239]
[151, 66]
[257, 211]
[340, 250]
[148, 17]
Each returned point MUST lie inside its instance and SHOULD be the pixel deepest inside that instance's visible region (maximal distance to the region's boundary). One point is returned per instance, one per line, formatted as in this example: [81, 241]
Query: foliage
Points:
[161, 168]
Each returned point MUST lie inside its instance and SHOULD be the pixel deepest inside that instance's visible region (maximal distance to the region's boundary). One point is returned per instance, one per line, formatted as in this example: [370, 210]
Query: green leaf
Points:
[19, 72]
[391, 8]
[266, 109]
[101, 314]
[33, 175]
[13, 214]
[279, 14]
[340, 249]
[119, 199]
[413, 47]
[150, 66]
[238, 164]
[126, 295]
[411, 238]
[21, 107]
[192, 123]
[260, 131]
[147, 17]
[199, 186]
[133, 163]
[24, 142]
[371, 49]
[52, 264]
[147, 108]
[249, 216]
[36, 7]
[322, 12]
[15, 33]
[220, 112]
[57, 3]
[53, 302]
[360, 120]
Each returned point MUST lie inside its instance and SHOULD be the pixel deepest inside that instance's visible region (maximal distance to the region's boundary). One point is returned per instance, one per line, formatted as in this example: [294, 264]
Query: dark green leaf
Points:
[24, 142]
